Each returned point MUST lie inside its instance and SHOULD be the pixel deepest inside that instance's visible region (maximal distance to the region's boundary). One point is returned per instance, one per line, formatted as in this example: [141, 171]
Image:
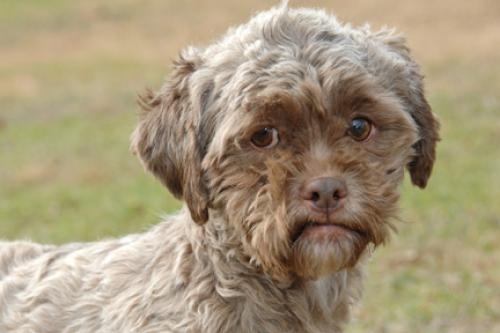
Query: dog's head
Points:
[295, 130]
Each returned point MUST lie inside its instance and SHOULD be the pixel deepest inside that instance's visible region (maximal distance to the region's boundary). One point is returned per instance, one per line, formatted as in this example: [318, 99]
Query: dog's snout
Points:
[324, 193]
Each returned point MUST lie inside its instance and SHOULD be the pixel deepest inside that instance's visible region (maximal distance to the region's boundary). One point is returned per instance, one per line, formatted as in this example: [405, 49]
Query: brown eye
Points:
[360, 129]
[265, 138]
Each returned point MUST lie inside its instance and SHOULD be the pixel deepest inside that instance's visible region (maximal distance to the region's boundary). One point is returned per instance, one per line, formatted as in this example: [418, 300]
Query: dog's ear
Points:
[166, 137]
[408, 84]
[420, 167]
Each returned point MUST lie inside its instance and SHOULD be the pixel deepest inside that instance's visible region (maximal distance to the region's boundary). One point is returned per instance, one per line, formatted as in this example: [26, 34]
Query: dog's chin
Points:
[321, 249]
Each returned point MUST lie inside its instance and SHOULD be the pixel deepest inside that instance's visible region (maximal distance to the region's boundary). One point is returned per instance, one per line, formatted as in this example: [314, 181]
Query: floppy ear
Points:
[166, 137]
[420, 167]
[408, 85]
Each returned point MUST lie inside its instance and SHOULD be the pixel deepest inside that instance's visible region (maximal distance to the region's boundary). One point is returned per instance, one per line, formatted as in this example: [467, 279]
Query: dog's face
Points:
[295, 130]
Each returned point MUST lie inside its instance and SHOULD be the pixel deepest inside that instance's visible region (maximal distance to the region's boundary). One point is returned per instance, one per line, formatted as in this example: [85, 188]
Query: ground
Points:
[69, 75]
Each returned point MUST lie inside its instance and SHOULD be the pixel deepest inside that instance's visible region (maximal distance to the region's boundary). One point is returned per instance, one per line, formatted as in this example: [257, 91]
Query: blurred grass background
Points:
[69, 74]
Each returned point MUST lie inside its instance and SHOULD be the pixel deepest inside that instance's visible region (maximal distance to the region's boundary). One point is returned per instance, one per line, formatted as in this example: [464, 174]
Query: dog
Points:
[287, 140]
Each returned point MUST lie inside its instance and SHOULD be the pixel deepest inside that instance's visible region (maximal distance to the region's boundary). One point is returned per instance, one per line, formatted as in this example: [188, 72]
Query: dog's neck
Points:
[320, 303]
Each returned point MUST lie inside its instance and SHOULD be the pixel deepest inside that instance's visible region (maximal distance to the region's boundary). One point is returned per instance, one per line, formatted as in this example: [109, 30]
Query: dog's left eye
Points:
[267, 137]
[360, 129]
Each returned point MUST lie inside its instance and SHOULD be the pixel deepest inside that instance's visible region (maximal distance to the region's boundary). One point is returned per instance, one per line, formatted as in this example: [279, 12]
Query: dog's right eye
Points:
[267, 137]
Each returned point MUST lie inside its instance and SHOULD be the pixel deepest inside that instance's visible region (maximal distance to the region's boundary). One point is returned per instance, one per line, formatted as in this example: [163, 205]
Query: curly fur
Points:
[239, 256]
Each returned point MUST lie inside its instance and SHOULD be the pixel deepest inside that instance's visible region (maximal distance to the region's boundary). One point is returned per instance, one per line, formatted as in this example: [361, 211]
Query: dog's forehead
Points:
[291, 84]
[292, 99]
[305, 53]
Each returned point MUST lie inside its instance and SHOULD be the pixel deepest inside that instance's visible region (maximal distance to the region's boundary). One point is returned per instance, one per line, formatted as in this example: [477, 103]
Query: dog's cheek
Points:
[373, 202]
[251, 192]
[268, 240]
[231, 184]
[272, 234]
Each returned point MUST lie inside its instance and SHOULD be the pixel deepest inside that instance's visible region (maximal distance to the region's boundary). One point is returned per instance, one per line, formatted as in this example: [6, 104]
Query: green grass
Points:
[74, 178]
[69, 74]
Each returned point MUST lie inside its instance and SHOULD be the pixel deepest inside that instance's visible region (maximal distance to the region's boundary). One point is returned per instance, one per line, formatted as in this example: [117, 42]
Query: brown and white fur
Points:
[243, 131]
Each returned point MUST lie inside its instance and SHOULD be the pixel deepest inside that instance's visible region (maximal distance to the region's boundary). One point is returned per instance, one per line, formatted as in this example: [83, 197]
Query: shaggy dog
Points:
[287, 140]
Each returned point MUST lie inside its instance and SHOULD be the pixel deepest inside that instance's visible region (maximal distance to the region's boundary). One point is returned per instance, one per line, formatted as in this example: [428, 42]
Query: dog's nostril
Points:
[315, 196]
[340, 193]
[336, 195]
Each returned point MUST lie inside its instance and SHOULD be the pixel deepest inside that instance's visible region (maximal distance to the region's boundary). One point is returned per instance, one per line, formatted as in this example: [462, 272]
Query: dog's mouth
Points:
[325, 231]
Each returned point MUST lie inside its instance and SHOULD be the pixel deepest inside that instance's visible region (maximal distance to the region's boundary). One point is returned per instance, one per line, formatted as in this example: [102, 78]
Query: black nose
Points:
[324, 194]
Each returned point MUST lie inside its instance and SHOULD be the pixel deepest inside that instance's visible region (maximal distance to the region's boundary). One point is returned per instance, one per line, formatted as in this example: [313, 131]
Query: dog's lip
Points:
[326, 227]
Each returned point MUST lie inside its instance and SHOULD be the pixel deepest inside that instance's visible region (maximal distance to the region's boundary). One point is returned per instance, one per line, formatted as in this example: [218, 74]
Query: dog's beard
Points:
[323, 249]
[322, 246]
